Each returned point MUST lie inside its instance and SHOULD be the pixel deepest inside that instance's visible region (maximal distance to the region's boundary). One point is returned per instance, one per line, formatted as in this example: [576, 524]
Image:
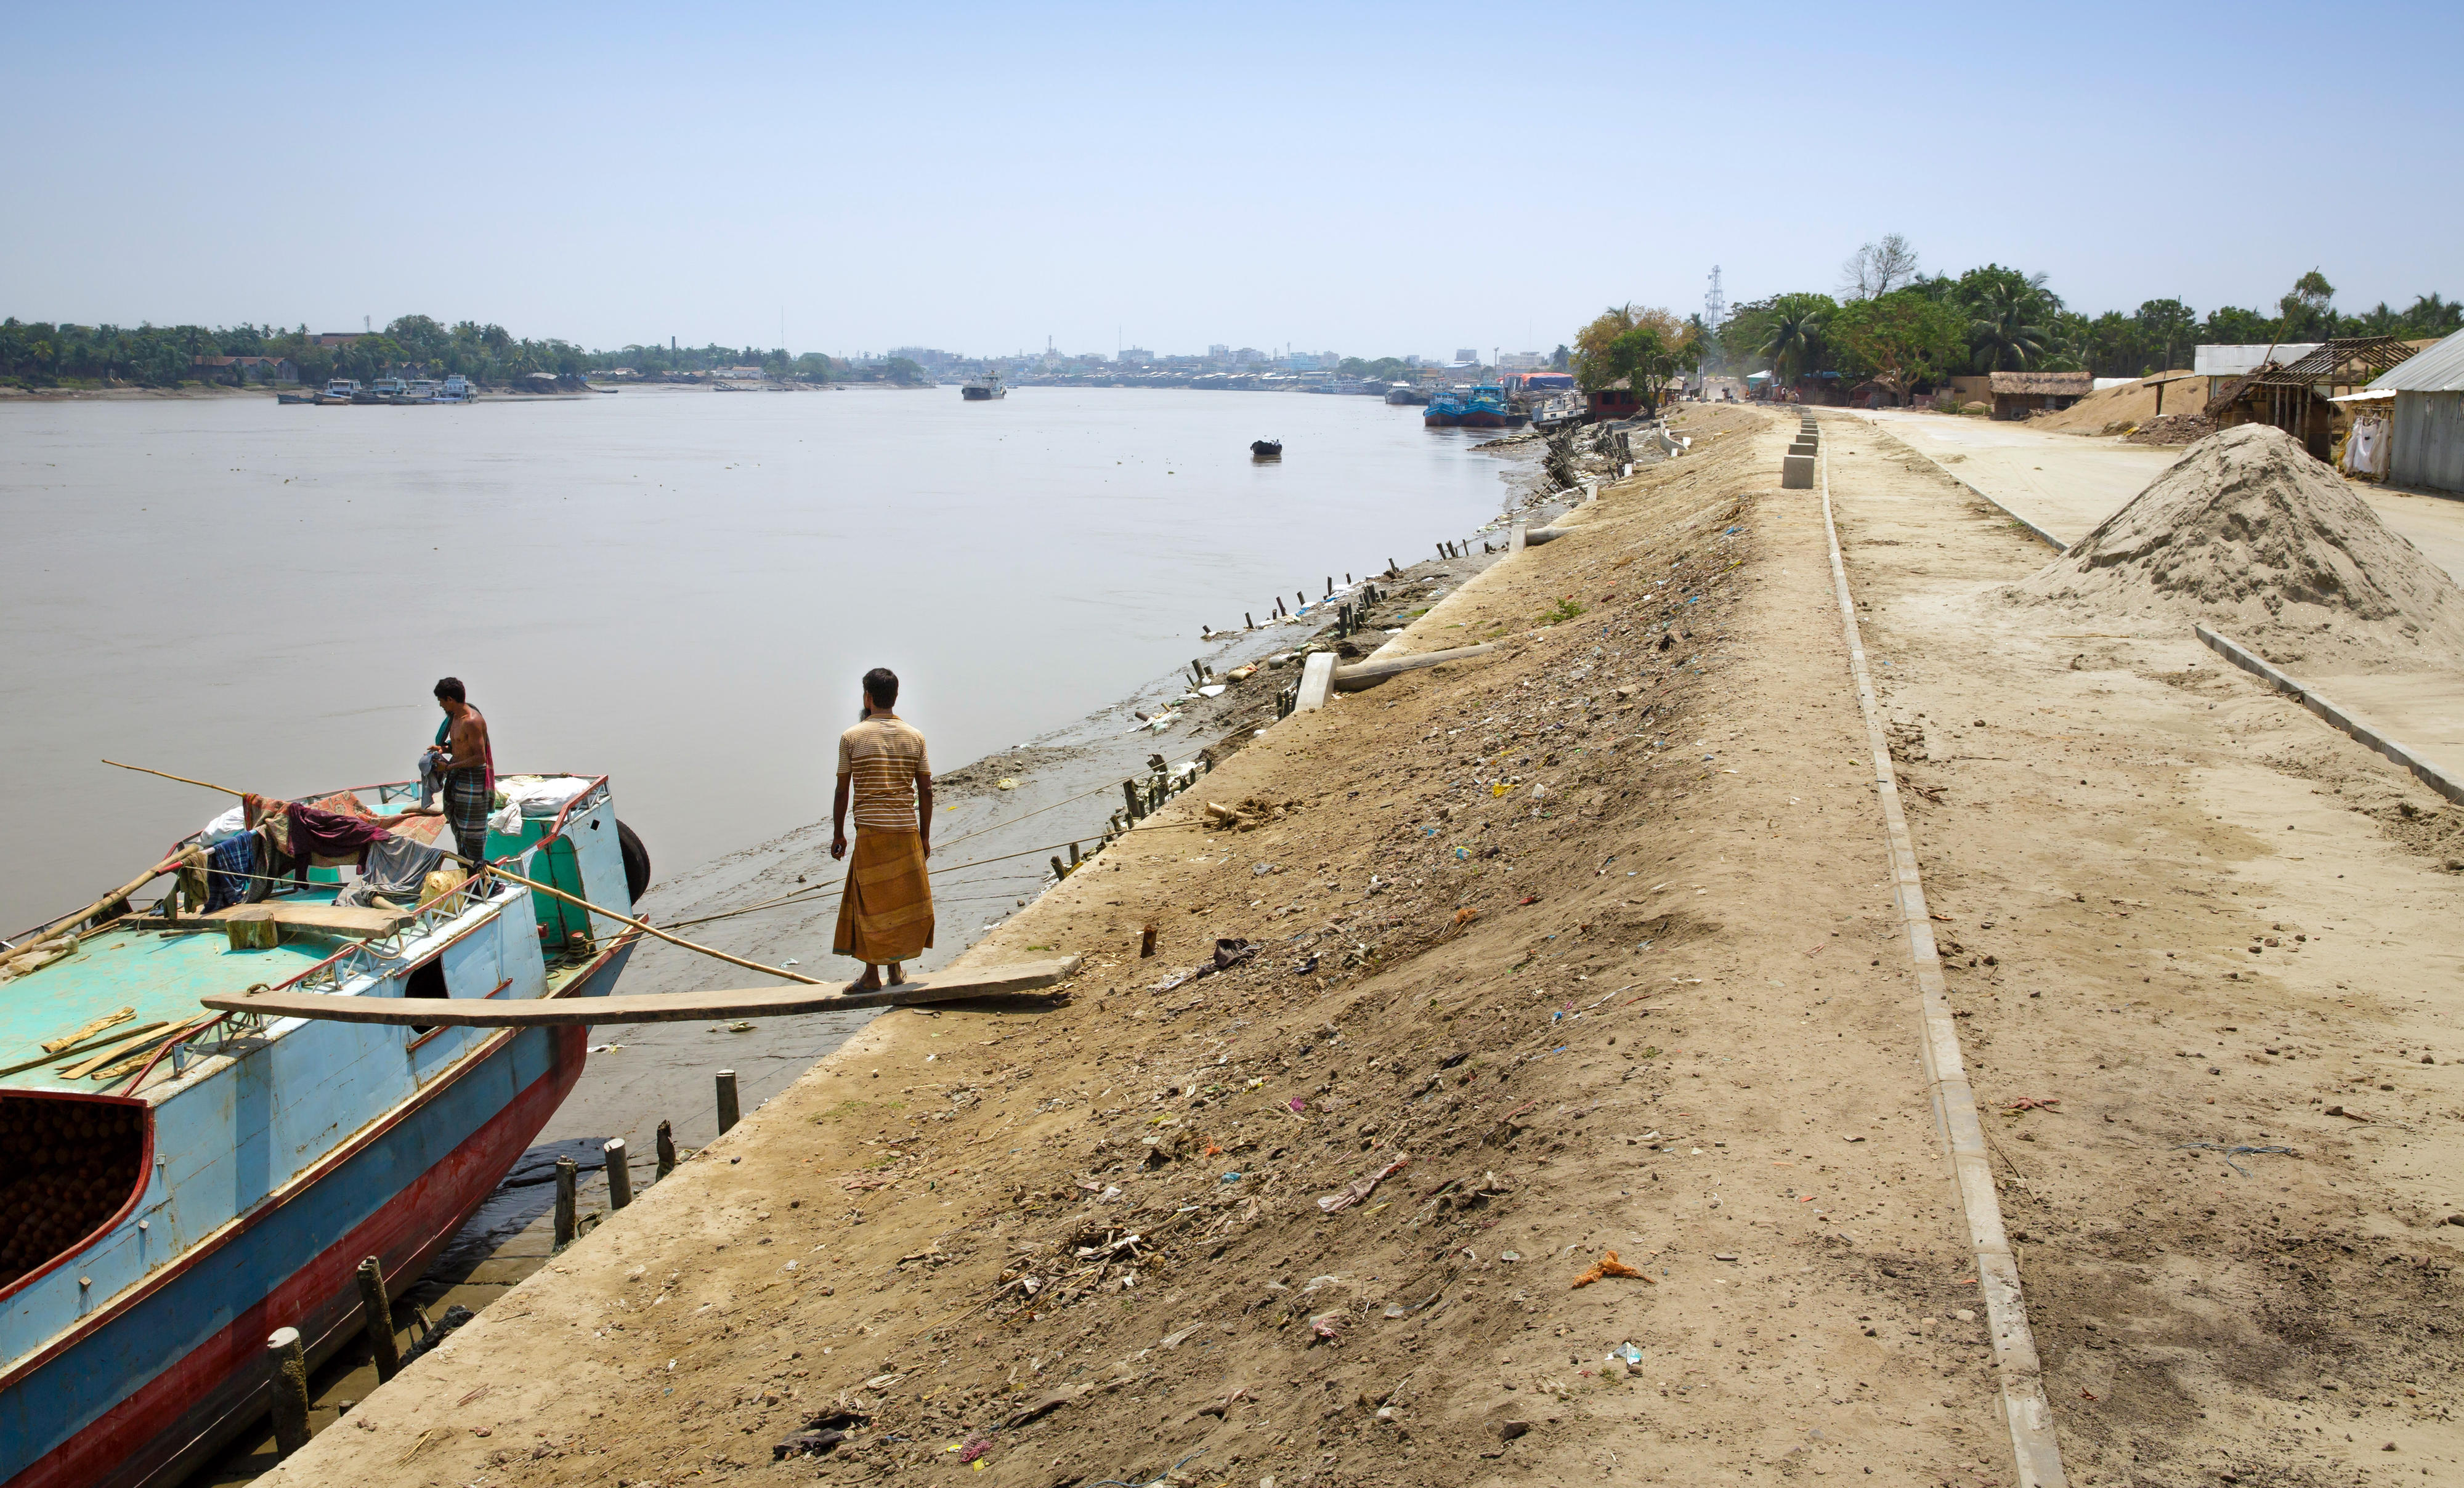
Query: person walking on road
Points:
[886, 900]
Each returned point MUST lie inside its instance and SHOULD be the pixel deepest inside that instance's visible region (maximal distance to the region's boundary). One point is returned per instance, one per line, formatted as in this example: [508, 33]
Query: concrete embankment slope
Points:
[1582, 947]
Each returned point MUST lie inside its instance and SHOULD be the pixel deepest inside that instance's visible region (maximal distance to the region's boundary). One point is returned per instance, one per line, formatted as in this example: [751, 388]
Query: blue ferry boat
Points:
[1445, 410]
[1489, 407]
[169, 1199]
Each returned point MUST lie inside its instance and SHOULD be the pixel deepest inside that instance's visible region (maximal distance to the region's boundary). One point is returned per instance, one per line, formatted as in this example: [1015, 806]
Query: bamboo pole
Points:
[488, 867]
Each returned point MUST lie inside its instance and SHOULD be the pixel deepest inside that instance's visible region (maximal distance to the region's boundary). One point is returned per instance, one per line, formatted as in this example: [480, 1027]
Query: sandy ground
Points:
[2065, 484]
[2190, 913]
[1592, 938]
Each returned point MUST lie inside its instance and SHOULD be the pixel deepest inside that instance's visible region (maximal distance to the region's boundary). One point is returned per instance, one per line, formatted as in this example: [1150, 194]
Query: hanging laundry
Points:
[397, 865]
[330, 839]
[231, 866]
[275, 817]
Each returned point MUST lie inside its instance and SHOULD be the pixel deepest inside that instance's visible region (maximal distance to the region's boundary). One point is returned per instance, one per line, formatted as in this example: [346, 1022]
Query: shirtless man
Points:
[468, 770]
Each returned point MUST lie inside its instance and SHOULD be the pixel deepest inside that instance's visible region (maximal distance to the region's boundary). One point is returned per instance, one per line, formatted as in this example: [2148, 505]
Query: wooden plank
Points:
[991, 981]
[328, 919]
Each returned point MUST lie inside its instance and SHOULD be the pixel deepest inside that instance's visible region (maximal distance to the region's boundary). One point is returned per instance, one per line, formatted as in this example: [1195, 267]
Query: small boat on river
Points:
[180, 1183]
[1445, 410]
[337, 391]
[983, 388]
[1266, 450]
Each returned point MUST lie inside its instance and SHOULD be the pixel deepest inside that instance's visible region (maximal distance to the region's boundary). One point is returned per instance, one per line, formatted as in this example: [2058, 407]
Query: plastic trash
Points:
[1212, 689]
[1625, 1353]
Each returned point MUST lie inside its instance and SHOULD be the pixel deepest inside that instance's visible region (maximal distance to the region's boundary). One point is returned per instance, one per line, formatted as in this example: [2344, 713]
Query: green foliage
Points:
[1899, 339]
[901, 372]
[1562, 611]
[1793, 336]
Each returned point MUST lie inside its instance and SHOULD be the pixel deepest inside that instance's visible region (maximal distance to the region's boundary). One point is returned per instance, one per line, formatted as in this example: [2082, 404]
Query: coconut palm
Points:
[1792, 328]
[2006, 316]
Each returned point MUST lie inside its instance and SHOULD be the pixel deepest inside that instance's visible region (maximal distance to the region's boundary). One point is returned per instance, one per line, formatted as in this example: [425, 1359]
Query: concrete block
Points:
[1797, 472]
[1317, 680]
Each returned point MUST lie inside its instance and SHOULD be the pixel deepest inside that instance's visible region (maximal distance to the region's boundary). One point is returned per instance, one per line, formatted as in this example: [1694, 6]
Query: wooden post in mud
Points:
[620, 1176]
[565, 1217]
[1074, 854]
[727, 1111]
[1130, 794]
[376, 1315]
[289, 1362]
[666, 1150]
[1249, 620]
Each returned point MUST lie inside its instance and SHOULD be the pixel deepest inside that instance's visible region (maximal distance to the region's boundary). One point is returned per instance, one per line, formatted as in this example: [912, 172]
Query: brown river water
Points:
[672, 587]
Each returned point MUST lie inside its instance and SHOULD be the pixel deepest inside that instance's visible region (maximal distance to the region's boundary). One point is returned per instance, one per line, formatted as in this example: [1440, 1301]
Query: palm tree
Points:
[1793, 332]
[2003, 323]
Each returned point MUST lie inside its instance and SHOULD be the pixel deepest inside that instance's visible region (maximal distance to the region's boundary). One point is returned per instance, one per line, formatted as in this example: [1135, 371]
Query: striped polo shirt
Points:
[881, 757]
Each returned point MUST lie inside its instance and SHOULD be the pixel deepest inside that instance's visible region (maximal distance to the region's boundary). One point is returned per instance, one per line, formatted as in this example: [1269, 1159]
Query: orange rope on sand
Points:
[1609, 1265]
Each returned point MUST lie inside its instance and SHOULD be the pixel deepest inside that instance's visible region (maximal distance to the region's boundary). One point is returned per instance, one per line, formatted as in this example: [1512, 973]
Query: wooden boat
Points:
[1266, 450]
[171, 1199]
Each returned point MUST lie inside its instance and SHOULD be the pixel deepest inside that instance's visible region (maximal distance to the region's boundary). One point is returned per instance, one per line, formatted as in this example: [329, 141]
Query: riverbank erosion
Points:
[1526, 1085]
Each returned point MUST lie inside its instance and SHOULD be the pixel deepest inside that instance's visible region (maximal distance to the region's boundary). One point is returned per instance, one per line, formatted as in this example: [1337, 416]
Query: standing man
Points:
[886, 901]
[469, 768]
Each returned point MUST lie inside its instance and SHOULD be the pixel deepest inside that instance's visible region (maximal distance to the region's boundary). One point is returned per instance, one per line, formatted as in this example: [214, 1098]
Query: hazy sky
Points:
[1370, 179]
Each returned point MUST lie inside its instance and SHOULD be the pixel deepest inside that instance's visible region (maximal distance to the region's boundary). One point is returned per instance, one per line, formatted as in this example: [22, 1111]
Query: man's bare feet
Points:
[897, 972]
[870, 981]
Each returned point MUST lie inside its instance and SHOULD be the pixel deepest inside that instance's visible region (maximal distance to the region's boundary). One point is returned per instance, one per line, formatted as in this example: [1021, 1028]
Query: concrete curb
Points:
[2024, 1407]
[2370, 738]
[2040, 534]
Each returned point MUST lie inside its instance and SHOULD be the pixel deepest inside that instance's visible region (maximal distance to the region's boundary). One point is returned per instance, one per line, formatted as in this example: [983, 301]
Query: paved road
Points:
[2067, 484]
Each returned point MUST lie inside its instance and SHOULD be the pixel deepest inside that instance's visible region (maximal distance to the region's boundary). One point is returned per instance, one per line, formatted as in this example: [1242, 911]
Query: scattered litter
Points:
[2231, 1153]
[2030, 1103]
[1722, 1254]
[1608, 1266]
[1325, 1327]
[604, 1048]
[1360, 1188]
[1509, 1256]
[1625, 1353]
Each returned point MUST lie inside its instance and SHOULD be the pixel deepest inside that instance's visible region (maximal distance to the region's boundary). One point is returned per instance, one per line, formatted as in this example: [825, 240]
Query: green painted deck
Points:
[160, 975]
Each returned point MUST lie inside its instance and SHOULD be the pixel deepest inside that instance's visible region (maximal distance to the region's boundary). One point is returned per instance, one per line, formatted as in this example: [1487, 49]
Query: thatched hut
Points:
[2018, 394]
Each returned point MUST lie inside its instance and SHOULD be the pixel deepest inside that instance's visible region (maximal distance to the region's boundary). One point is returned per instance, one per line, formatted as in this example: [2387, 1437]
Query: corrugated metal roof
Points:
[2438, 370]
[2232, 360]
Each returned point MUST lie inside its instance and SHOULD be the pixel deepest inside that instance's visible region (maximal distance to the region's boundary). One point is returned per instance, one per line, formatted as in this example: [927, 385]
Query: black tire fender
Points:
[637, 863]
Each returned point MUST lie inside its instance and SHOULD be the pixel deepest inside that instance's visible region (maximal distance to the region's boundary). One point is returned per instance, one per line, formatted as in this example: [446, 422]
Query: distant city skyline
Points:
[1355, 177]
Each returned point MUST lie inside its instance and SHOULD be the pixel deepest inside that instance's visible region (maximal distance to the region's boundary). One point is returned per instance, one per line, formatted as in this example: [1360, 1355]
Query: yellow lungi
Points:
[886, 908]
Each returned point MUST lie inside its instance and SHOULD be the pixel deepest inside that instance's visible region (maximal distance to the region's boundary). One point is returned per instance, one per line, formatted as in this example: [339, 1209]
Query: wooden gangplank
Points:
[991, 981]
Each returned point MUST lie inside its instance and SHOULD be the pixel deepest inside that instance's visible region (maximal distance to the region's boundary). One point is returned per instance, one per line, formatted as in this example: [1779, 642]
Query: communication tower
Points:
[1715, 305]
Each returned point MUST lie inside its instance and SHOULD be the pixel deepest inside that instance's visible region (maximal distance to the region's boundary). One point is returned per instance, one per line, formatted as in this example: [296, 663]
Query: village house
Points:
[2019, 394]
[2427, 449]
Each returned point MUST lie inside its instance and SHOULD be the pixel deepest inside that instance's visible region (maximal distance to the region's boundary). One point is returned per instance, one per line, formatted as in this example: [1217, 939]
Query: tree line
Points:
[1894, 323]
[40, 354]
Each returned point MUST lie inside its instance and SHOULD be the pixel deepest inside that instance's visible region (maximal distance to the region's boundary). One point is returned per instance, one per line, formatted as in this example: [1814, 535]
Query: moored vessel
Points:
[1266, 450]
[180, 1183]
[1445, 410]
[983, 388]
[338, 390]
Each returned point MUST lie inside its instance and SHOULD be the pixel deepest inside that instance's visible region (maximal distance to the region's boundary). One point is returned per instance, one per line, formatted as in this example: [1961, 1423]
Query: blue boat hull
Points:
[161, 1376]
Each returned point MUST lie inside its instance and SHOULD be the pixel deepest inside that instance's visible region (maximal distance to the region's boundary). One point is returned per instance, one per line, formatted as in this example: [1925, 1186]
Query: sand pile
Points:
[2264, 543]
[2104, 411]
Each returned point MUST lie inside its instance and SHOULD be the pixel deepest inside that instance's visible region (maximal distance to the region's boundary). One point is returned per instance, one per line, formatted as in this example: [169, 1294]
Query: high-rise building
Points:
[1467, 355]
